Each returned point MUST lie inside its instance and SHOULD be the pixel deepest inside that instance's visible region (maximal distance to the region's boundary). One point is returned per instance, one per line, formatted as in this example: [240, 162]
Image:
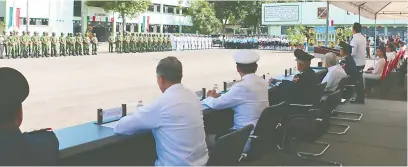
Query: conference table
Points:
[93, 144]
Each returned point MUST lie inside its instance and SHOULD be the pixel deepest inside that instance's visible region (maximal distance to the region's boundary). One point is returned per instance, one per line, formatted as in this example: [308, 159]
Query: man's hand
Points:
[272, 81]
[213, 93]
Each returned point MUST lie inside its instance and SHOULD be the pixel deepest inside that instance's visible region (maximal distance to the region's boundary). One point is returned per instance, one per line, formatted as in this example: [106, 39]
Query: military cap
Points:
[345, 47]
[302, 55]
[246, 57]
[94, 34]
[14, 87]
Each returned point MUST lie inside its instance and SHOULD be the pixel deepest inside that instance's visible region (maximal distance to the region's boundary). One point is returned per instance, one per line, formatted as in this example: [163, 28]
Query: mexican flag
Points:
[14, 16]
[145, 23]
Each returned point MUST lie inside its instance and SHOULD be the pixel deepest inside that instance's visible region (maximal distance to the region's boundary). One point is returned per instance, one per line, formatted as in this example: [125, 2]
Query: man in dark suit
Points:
[349, 64]
[37, 148]
[302, 89]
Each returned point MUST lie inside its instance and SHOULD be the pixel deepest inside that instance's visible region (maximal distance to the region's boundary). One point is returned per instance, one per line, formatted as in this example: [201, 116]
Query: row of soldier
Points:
[135, 42]
[191, 42]
[17, 46]
[257, 42]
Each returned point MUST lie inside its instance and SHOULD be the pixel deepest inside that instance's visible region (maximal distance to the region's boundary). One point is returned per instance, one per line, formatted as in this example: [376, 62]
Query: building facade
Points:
[66, 16]
[278, 17]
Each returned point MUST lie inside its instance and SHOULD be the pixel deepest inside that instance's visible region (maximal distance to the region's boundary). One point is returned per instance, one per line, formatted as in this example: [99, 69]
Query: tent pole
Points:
[327, 24]
[375, 37]
[359, 15]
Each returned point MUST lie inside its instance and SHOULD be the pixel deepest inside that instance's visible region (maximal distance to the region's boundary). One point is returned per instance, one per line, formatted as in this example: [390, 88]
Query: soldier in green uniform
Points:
[111, 41]
[127, 41]
[119, 43]
[36, 44]
[72, 42]
[17, 44]
[54, 42]
[62, 44]
[30, 44]
[45, 39]
[11, 41]
[151, 43]
[161, 42]
[155, 47]
[168, 42]
[5, 42]
[78, 44]
[94, 44]
[132, 43]
[25, 39]
[142, 43]
[87, 42]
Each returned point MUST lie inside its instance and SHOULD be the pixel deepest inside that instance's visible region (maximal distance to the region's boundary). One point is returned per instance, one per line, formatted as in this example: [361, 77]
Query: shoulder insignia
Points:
[40, 131]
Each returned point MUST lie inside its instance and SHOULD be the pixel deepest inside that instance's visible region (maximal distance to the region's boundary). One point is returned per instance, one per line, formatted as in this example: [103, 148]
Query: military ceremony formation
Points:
[191, 42]
[35, 46]
[258, 42]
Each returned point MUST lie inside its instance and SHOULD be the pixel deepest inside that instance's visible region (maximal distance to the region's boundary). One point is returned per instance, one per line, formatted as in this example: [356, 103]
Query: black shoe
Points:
[357, 101]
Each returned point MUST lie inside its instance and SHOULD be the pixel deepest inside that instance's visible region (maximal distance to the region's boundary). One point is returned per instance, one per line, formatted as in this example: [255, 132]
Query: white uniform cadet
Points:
[173, 43]
[176, 121]
[248, 97]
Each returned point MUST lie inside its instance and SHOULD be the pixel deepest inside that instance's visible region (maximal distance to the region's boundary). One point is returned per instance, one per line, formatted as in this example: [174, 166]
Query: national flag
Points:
[148, 23]
[93, 18]
[145, 24]
[112, 19]
[10, 21]
[18, 18]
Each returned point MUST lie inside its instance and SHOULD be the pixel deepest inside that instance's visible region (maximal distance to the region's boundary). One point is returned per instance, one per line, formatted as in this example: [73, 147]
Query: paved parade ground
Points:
[66, 91]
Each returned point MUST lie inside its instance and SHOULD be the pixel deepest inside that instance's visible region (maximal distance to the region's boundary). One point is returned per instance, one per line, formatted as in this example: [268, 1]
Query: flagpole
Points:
[27, 18]
[14, 6]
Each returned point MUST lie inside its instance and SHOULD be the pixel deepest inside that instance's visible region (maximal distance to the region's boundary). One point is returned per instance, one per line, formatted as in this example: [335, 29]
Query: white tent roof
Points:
[383, 9]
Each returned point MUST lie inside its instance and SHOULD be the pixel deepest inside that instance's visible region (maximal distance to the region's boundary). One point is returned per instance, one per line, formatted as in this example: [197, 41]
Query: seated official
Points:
[375, 72]
[248, 97]
[302, 89]
[36, 148]
[391, 52]
[175, 119]
[335, 72]
[402, 47]
[348, 63]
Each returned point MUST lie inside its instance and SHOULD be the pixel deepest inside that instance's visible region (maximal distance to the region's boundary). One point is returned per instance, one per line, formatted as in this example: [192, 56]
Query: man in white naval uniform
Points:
[248, 97]
[173, 43]
[175, 119]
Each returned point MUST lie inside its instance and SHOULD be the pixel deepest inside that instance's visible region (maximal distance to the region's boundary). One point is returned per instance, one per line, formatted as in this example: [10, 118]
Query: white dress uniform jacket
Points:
[176, 121]
[333, 77]
[359, 43]
[248, 98]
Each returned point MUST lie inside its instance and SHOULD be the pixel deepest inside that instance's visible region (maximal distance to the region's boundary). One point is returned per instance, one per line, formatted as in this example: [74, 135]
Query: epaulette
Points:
[40, 131]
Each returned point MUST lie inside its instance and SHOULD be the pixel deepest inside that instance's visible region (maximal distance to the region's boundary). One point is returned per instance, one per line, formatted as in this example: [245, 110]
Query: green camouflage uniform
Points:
[127, 43]
[111, 40]
[62, 45]
[11, 42]
[119, 43]
[25, 45]
[17, 45]
[5, 43]
[72, 46]
[36, 39]
[133, 43]
[45, 39]
[54, 42]
[94, 44]
[151, 43]
[86, 42]
[78, 44]
[30, 44]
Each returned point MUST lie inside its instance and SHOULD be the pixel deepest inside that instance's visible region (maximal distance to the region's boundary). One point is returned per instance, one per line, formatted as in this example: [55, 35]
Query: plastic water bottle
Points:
[295, 71]
[139, 105]
[216, 88]
[268, 76]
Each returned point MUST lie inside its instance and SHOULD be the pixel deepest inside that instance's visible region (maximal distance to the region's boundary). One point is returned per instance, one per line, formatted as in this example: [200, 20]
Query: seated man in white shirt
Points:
[335, 72]
[175, 119]
[248, 97]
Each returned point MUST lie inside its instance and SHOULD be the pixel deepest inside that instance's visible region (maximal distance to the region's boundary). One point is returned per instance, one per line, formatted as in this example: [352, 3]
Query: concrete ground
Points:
[66, 91]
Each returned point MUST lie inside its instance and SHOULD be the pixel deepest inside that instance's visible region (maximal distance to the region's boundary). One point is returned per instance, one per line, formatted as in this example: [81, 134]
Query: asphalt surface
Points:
[66, 91]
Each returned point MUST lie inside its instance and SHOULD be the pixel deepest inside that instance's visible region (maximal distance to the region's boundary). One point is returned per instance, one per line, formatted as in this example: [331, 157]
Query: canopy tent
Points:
[375, 9]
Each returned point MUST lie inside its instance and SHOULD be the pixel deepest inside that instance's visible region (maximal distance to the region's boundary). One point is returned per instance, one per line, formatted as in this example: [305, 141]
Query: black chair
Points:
[228, 148]
[265, 137]
[333, 101]
[343, 84]
[310, 126]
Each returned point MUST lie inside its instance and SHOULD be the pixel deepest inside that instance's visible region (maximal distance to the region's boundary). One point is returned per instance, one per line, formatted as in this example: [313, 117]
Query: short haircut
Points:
[382, 49]
[391, 46]
[330, 59]
[357, 27]
[247, 68]
[8, 113]
[171, 69]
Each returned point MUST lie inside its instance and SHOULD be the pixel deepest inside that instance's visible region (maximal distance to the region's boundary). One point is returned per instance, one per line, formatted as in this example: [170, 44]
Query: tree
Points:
[203, 17]
[227, 11]
[297, 35]
[126, 9]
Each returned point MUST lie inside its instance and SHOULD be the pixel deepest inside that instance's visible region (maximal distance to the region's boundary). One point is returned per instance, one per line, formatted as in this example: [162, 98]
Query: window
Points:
[171, 10]
[128, 27]
[44, 22]
[166, 9]
[77, 8]
[157, 8]
[184, 10]
[151, 8]
[2, 19]
[32, 21]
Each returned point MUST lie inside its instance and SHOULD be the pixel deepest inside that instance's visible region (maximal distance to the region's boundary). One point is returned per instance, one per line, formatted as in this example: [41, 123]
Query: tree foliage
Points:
[297, 35]
[2, 26]
[126, 9]
[203, 17]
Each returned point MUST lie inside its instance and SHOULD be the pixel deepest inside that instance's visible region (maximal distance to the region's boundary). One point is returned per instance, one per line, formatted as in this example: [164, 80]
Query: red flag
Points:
[18, 18]
[148, 23]
[93, 18]
[112, 19]
[332, 23]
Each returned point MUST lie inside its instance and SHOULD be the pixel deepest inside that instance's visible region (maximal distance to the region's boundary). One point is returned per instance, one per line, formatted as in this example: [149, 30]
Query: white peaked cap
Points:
[246, 57]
